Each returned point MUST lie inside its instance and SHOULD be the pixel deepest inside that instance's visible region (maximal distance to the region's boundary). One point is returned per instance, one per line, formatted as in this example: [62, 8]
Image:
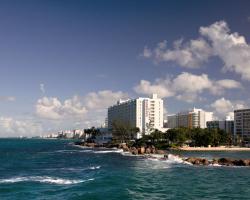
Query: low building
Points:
[190, 119]
[226, 125]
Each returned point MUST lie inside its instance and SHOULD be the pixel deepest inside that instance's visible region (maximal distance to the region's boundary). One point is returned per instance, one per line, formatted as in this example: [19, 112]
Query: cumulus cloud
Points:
[102, 99]
[10, 127]
[224, 107]
[214, 40]
[53, 108]
[220, 86]
[77, 107]
[160, 87]
[7, 98]
[185, 86]
[191, 54]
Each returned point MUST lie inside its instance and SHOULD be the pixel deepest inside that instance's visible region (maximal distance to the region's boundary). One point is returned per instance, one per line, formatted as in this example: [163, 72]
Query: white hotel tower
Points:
[144, 113]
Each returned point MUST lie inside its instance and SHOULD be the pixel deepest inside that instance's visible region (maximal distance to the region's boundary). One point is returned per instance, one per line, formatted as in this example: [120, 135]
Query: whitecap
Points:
[95, 167]
[44, 179]
[110, 151]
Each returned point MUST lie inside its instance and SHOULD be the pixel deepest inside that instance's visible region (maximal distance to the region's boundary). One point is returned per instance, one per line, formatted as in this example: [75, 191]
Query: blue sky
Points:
[62, 63]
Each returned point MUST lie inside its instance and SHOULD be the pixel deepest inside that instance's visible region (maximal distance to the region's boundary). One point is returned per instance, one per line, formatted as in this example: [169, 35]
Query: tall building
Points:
[226, 125]
[191, 119]
[242, 123]
[144, 113]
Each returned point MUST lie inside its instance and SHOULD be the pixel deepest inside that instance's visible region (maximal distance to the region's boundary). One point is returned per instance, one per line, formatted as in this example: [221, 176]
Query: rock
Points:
[247, 162]
[148, 150]
[141, 150]
[240, 162]
[125, 149]
[205, 162]
[153, 150]
[225, 161]
[214, 162]
[90, 144]
[160, 152]
[197, 161]
[134, 151]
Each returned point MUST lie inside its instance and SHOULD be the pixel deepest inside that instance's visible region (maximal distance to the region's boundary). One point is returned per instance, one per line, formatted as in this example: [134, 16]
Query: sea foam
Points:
[44, 179]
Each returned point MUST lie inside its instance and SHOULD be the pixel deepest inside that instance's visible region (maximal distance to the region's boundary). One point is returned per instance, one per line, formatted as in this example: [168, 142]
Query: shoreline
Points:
[213, 148]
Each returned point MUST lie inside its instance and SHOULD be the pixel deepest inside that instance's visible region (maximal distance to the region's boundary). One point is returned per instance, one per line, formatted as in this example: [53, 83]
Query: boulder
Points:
[160, 152]
[153, 150]
[134, 151]
[166, 156]
[247, 162]
[240, 162]
[125, 149]
[225, 161]
[205, 161]
[197, 161]
[148, 150]
[141, 150]
[90, 144]
[214, 162]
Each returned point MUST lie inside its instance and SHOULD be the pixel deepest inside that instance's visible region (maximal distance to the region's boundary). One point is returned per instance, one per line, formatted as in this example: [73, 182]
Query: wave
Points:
[110, 151]
[95, 167]
[76, 169]
[167, 162]
[44, 179]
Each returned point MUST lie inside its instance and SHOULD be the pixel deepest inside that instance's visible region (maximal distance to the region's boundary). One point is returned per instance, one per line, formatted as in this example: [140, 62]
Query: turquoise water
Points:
[54, 169]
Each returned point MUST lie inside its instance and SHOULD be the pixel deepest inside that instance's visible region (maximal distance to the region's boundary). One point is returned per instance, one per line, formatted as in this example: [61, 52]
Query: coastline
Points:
[214, 148]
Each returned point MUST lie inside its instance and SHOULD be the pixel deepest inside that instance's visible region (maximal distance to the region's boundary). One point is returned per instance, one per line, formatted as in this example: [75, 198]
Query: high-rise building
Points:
[242, 124]
[144, 113]
[191, 119]
[226, 125]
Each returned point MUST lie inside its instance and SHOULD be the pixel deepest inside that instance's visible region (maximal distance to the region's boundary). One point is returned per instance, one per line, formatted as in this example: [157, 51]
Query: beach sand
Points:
[222, 148]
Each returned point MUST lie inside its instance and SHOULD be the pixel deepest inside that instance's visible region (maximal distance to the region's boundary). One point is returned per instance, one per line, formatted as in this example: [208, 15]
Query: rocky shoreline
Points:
[150, 151]
[220, 161]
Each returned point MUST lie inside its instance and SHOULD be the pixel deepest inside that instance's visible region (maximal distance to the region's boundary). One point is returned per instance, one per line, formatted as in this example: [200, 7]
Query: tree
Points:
[123, 131]
[92, 132]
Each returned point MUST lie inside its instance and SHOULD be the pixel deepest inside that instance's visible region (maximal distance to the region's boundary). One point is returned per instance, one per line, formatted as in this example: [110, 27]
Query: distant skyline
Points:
[64, 62]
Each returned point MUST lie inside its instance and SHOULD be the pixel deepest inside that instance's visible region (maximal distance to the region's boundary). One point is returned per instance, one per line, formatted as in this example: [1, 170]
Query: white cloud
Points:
[224, 107]
[190, 55]
[91, 107]
[102, 99]
[220, 86]
[10, 127]
[160, 87]
[53, 108]
[214, 40]
[7, 98]
[146, 52]
[185, 86]
[42, 88]
[231, 48]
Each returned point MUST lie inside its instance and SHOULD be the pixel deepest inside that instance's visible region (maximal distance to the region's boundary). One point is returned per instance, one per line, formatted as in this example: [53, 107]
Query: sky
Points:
[63, 63]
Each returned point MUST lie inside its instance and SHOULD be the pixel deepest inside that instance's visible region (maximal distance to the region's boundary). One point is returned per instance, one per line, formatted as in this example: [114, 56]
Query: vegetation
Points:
[198, 137]
[123, 132]
[92, 133]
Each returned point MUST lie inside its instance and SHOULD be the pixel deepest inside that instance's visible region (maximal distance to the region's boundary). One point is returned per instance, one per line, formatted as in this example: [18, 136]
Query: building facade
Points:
[242, 124]
[190, 119]
[226, 125]
[144, 113]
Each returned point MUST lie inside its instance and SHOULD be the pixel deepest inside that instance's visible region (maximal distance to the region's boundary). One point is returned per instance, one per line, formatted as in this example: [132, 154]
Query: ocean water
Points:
[55, 169]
